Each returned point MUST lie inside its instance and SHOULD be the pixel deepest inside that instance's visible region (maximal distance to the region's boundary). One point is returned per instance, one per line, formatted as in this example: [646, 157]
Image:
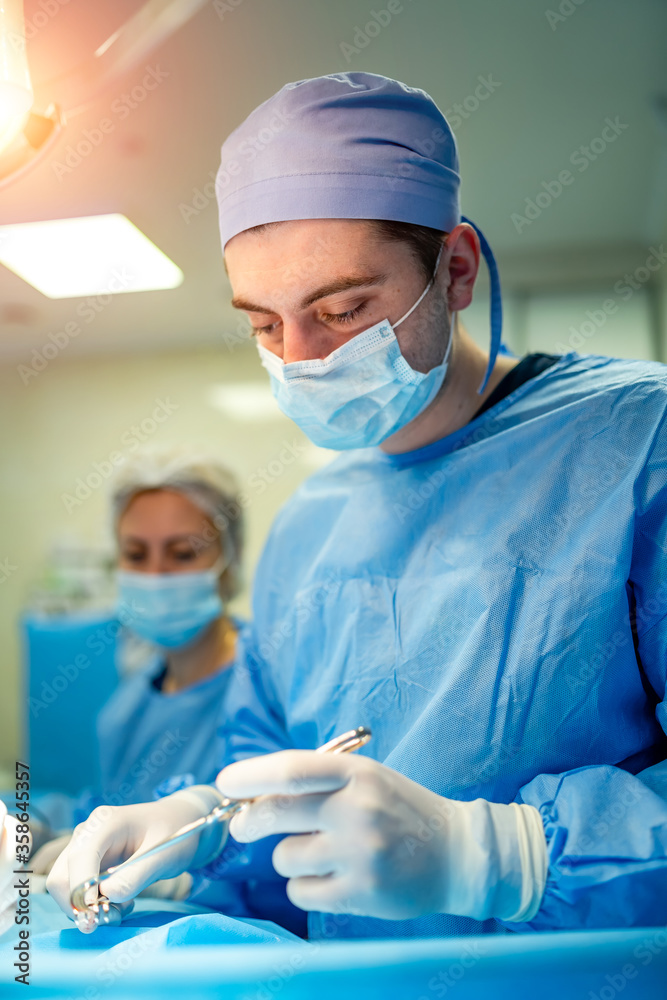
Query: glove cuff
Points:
[213, 837]
[530, 857]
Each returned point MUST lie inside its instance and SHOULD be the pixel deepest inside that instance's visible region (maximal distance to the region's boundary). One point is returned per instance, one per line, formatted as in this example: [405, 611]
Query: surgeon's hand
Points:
[113, 833]
[368, 841]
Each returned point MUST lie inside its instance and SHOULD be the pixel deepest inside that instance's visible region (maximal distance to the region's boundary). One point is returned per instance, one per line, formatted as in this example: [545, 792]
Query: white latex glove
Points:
[371, 842]
[113, 833]
[8, 862]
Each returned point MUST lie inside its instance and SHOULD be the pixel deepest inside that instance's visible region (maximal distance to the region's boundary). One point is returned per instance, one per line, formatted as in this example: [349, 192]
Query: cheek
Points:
[124, 562]
[423, 339]
[269, 342]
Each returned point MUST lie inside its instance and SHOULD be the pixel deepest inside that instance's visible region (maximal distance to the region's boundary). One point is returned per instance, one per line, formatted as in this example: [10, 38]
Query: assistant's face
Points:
[309, 286]
[161, 531]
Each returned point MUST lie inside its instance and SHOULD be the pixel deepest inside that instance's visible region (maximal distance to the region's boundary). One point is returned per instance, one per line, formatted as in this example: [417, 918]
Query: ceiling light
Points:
[93, 255]
[250, 402]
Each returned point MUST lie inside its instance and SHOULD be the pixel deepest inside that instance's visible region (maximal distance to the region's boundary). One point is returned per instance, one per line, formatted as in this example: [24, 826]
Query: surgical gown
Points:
[146, 737]
[494, 607]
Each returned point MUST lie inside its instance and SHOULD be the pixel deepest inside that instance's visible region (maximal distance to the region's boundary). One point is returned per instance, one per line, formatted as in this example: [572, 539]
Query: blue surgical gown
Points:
[150, 743]
[494, 607]
[146, 738]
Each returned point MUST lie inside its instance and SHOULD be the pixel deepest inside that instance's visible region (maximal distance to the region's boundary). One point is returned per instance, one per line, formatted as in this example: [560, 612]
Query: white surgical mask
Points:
[169, 609]
[361, 393]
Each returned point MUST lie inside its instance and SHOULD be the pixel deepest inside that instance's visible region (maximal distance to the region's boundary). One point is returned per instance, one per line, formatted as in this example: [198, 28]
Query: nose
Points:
[155, 561]
[305, 342]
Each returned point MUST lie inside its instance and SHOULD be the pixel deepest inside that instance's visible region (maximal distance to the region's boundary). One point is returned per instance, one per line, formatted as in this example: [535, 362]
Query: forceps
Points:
[103, 913]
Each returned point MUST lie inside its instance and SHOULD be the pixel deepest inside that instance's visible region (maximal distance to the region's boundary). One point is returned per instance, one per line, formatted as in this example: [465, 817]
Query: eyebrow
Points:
[331, 288]
[170, 540]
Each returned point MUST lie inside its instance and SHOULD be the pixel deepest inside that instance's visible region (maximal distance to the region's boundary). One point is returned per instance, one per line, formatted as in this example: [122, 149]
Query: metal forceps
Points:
[103, 913]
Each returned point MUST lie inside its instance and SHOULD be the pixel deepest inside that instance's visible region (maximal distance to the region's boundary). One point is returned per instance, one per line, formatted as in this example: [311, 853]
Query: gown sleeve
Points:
[606, 829]
[251, 724]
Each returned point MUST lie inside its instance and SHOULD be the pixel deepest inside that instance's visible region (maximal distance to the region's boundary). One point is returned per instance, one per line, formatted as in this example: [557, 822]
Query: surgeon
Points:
[179, 534]
[478, 577]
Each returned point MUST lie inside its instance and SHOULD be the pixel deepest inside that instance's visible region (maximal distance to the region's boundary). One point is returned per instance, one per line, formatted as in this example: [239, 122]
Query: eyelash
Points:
[345, 317]
[342, 318]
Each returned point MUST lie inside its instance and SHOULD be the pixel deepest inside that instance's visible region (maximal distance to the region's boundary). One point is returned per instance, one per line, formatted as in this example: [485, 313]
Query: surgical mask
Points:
[361, 393]
[169, 609]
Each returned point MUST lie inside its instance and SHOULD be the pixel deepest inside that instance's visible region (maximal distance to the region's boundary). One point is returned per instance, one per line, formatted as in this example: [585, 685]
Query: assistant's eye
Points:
[345, 317]
[184, 555]
[134, 557]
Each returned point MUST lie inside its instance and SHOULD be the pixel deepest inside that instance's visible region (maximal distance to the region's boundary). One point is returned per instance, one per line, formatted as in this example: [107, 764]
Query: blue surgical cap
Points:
[347, 146]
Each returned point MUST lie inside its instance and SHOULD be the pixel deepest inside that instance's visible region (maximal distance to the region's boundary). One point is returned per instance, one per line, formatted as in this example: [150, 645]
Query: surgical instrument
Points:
[104, 913]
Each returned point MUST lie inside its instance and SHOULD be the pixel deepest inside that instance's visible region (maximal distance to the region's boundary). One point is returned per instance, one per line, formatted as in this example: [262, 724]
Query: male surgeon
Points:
[478, 577]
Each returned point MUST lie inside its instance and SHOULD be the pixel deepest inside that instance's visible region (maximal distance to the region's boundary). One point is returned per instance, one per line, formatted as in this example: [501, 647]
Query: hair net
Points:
[347, 146]
[203, 479]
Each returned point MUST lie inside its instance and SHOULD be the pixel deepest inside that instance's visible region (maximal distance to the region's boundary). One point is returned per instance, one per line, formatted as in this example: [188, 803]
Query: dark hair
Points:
[423, 242]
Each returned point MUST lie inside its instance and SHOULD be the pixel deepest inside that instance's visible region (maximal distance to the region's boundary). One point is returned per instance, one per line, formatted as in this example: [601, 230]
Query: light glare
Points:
[94, 255]
[16, 96]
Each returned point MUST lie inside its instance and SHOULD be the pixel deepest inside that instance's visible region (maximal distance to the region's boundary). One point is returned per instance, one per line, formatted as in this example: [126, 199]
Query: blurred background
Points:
[531, 90]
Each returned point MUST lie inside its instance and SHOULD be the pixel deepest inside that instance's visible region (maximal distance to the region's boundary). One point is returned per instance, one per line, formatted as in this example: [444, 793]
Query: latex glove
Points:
[8, 863]
[43, 860]
[113, 833]
[369, 841]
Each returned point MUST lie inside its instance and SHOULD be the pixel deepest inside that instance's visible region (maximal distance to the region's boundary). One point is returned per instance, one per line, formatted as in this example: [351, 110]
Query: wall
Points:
[64, 424]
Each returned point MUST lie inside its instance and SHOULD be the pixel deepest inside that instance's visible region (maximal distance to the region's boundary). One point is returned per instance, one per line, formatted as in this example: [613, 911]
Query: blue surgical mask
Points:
[169, 609]
[361, 393]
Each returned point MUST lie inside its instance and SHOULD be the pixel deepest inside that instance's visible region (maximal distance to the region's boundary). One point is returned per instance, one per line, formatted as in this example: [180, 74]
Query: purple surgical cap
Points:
[347, 146]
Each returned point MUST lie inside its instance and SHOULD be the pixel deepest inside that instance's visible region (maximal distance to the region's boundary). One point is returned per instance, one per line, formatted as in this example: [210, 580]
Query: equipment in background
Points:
[32, 116]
